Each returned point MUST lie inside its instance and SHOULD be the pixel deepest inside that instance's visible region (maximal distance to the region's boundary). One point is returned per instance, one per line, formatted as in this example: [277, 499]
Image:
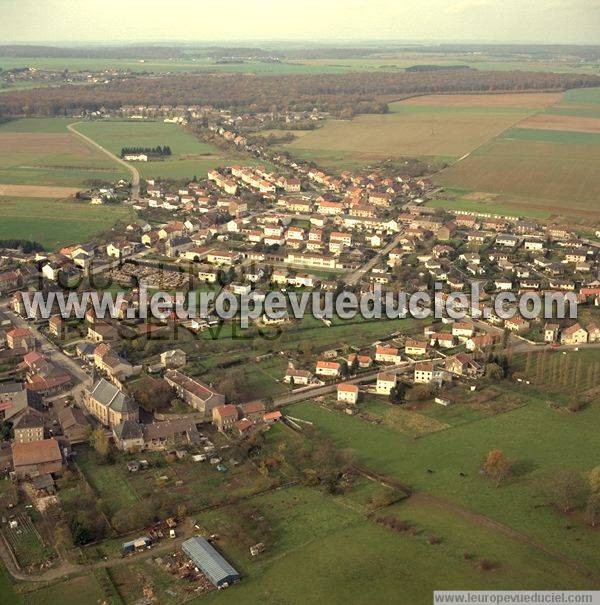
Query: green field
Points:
[366, 563]
[190, 155]
[388, 61]
[56, 223]
[550, 170]
[43, 152]
[536, 437]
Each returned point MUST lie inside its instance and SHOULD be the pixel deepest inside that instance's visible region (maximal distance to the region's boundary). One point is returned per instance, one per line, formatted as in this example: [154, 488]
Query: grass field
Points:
[442, 127]
[190, 155]
[56, 223]
[43, 152]
[390, 61]
[370, 564]
[554, 170]
[82, 590]
[521, 503]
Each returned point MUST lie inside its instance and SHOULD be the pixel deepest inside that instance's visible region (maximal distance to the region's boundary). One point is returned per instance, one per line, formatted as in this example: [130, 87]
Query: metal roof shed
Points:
[209, 561]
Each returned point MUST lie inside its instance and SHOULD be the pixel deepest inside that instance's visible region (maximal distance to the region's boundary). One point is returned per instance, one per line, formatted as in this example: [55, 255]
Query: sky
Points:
[198, 21]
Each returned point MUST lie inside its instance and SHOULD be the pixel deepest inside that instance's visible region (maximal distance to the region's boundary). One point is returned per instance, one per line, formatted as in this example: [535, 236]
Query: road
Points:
[311, 392]
[135, 173]
[355, 276]
[54, 354]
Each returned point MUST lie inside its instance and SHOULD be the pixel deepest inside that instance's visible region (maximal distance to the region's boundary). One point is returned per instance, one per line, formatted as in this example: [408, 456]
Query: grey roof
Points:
[108, 395]
[128, 429]
[29, 420]
[212, 564]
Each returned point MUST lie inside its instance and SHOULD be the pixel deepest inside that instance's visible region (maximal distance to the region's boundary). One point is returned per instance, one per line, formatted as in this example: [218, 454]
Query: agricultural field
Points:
[386, 60]
[441, 127]
[56, 222]
[546, 163]
[190, 155]
[42, 152]
[454, 456]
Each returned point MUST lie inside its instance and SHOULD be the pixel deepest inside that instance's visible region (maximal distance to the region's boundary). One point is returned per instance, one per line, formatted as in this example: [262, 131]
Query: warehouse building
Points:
[210, 562]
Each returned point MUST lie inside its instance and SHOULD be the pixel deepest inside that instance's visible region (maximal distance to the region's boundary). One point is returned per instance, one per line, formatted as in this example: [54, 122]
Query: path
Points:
[135, 173]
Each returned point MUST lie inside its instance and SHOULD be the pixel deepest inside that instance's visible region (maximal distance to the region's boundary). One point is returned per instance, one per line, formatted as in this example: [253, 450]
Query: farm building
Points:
[210, 562]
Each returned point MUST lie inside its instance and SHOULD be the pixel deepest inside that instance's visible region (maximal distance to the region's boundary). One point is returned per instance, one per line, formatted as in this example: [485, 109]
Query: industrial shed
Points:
[206, 558]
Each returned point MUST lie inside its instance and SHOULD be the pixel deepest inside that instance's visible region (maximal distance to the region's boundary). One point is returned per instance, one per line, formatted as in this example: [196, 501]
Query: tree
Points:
[567, 490]
[592, 510]
[594, 480]
[397, 393]
[99, 441]
[6, 431]
[493, 371]
[497, 466]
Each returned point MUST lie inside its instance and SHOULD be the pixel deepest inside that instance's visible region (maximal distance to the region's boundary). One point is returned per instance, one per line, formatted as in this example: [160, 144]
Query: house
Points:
[9, 280]
[427, 373]
[254, 411]
[29, 427]
[162, 435]
[551, 332]
[593, 332]
[128, 436]
[101, 332]
[516, 324]
[16, 400]
[110, 405]
[481, 342]
[462, 330]
[328, 368]
[347, 393]
[74, 425]
[413, 346]
[294, 376]
[444, 340]
[57, 327]
[176, 358]
[224, 416]
[385, 354]
[464, 365]
[36, 458]
[385, 383]
[574, 335]
[195, 393]
[20, 338]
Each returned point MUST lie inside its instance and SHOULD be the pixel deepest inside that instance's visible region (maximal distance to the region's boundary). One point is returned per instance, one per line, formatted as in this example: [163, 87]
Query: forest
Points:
[367, 91]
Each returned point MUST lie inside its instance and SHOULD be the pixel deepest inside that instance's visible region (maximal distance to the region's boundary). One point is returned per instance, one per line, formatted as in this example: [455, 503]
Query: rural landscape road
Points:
[135, 173]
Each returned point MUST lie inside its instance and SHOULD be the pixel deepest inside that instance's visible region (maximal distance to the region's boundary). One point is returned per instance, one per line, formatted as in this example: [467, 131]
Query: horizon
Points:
[459, 21]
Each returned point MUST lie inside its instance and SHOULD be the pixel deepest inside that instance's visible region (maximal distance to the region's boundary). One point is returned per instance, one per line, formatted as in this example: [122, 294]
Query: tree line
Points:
[367, 91]
[159, 150]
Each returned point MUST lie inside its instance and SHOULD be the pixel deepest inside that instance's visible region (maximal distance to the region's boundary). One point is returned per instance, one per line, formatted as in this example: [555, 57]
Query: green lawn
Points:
[491, 206]
[56, 223]
[82, 590]
[536, 437]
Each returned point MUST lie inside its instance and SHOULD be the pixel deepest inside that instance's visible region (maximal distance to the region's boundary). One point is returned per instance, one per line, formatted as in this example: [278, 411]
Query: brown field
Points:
[531, 100]
[397, 135]
[441, 126]
[43, 142]
[560, 177]
[543, 121]
[37, 191]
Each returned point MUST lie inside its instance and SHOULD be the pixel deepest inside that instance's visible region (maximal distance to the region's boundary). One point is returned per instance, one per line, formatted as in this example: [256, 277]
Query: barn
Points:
[206, 558]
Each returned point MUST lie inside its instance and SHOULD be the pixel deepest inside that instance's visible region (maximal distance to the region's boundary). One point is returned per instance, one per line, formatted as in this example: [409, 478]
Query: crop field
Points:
[55, 223]
[42, 152]
[522, 502]
[442, 127]
[552, 169]
[190, 155]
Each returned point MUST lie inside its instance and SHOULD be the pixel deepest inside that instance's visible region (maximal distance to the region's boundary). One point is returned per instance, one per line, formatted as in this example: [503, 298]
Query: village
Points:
[77, 394]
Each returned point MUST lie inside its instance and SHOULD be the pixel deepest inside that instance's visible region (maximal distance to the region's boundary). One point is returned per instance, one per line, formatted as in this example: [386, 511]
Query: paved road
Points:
[355, 276]
[135, 173]
[309, 393]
